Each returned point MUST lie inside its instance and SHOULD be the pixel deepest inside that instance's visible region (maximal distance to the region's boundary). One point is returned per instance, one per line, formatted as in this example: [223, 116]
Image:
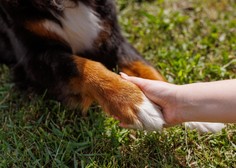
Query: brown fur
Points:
[44, 60]
[107, 88]
[140, 69]
[37, 27]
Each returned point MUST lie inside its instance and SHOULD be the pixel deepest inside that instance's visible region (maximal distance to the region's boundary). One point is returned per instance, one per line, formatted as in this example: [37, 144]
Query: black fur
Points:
[46, 63]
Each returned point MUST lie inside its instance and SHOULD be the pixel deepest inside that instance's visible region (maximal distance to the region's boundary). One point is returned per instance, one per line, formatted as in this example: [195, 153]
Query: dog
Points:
[70, 48]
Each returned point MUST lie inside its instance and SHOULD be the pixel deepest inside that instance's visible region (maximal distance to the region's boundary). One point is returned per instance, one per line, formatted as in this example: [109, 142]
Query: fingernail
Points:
[123, 75]
[117, 118]
[122, 125]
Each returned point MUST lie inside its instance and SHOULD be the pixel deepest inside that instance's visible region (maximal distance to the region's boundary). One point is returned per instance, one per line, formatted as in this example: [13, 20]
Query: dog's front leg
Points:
[117, 97]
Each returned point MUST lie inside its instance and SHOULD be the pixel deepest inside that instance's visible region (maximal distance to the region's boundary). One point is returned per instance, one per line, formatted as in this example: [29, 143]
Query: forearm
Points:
[210, 102]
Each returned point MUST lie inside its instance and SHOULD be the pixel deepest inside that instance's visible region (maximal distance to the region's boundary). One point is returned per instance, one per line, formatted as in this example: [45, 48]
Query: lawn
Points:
[189, 41]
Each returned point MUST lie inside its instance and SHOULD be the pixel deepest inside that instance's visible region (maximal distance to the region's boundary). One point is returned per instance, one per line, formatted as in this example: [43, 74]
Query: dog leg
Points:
[141, 69]
[117, 97]
[205, 126]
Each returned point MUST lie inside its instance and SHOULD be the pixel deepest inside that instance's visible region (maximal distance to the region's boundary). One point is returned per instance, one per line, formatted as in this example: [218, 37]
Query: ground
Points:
[189, 41]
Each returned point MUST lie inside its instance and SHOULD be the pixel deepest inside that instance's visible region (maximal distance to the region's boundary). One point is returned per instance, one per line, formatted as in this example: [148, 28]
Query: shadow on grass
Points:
[38, 132]
[35, 132]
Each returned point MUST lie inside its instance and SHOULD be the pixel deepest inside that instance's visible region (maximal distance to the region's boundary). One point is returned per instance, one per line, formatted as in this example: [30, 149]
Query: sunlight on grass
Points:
[189, 41]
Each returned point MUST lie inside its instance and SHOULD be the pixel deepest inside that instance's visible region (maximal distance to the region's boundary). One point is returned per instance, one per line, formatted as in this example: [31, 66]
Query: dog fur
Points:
[69, 48]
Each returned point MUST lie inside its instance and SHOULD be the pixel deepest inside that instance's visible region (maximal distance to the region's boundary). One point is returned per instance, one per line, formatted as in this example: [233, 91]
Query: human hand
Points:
[186, 103]
[162, 94]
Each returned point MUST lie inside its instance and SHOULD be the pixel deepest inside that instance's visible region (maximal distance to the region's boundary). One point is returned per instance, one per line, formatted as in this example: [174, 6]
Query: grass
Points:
[189, 41]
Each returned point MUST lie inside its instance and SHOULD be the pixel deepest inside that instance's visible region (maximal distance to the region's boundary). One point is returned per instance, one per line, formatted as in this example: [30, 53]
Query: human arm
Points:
[208, 102]
[202, 102]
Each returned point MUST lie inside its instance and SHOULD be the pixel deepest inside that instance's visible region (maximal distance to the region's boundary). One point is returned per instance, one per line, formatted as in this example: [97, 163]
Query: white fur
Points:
[80, 26]
[205, 126]
[150, 118]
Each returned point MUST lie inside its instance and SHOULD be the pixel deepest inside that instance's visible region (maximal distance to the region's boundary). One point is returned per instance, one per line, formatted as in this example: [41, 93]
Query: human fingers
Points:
[140, 82]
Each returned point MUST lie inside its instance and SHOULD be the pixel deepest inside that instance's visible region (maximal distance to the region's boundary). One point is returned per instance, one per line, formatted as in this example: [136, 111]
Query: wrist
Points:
[173, 110]
[184, 104]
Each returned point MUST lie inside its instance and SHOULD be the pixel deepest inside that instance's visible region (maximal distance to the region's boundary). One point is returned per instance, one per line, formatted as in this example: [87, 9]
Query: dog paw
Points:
[129, 105]
[204, 127]
[148, 117]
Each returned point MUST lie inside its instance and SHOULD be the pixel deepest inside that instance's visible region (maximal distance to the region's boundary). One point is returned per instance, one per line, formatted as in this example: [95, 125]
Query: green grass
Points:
[189, 41]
